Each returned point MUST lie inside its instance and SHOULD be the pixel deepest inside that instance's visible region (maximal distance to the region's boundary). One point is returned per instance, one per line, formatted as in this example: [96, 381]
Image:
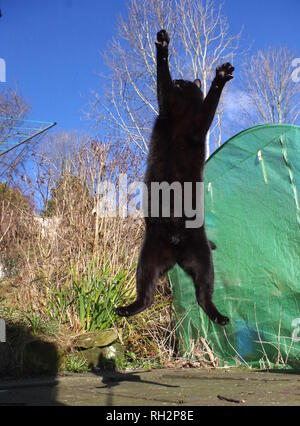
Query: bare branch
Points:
[275, 98]
[200, 40]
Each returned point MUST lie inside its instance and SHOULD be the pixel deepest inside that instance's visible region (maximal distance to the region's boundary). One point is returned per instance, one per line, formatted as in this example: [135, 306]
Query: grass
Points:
[74, 364]
[132, 362]
[35, 322]
[91, 299]
[97, 295]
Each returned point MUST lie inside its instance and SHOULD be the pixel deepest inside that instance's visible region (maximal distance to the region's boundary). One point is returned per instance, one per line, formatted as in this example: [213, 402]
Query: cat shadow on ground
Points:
[112, 378]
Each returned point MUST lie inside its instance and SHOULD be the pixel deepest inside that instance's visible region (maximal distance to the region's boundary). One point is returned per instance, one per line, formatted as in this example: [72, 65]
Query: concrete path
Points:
[159, 387]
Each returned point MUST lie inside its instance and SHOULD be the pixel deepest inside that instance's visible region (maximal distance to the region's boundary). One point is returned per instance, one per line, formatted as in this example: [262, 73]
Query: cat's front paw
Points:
[162, 39]
[225, 72]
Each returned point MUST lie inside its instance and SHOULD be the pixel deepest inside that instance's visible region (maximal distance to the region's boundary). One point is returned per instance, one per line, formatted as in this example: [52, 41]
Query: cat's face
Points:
[189, 90]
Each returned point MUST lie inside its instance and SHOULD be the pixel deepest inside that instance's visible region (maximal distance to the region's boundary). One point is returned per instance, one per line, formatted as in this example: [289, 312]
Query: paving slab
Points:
[184, 387]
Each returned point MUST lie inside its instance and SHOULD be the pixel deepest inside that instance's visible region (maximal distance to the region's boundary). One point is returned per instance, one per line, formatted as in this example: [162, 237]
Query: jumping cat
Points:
[177, 154]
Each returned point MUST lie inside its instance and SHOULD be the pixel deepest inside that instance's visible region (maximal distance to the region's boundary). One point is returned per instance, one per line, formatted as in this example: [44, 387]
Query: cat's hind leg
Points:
[156, 258]
[198, 264]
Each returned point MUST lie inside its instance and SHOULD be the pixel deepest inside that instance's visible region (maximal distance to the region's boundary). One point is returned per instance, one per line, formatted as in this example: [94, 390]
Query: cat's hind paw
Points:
[123, 312]
[221, 320]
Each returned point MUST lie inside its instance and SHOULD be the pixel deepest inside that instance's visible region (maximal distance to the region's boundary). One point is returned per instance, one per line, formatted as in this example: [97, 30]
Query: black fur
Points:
[177, 154]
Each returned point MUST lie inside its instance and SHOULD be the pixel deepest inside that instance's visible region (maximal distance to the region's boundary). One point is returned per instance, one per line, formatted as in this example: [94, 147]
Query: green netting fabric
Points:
[253, 215]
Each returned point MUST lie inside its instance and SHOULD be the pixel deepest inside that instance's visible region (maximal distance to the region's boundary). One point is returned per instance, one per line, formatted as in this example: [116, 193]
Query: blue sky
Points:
[52, 48]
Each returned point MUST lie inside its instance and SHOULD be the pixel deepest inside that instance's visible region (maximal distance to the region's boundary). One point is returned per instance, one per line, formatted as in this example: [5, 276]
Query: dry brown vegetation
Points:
[59, 262]
[65, 267]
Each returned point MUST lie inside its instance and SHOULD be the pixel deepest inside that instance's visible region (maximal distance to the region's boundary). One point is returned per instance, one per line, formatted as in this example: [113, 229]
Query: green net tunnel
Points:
[252, 210]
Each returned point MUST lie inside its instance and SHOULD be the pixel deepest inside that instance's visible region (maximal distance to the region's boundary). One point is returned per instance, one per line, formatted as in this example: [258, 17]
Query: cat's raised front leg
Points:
[164, 80]
[224, 73]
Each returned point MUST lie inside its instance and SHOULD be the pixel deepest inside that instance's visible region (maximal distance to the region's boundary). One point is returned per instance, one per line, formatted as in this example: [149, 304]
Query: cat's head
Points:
[189, 89]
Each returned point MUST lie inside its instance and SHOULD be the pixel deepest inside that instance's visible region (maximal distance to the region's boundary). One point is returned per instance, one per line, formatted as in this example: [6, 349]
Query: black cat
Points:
[177, 154]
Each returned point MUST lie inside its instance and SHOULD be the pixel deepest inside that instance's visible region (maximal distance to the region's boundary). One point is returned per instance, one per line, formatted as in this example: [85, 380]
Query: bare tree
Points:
[273, 96]
[13, 109]
[200, 41]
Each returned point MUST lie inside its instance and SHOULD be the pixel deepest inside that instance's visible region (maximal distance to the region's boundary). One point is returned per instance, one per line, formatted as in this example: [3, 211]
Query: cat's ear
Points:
[198, 83]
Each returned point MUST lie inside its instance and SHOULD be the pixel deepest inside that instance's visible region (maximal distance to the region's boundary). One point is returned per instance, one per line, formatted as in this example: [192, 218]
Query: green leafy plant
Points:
[97, 295]
[74, 364]
[35, 321]
[59, 304]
